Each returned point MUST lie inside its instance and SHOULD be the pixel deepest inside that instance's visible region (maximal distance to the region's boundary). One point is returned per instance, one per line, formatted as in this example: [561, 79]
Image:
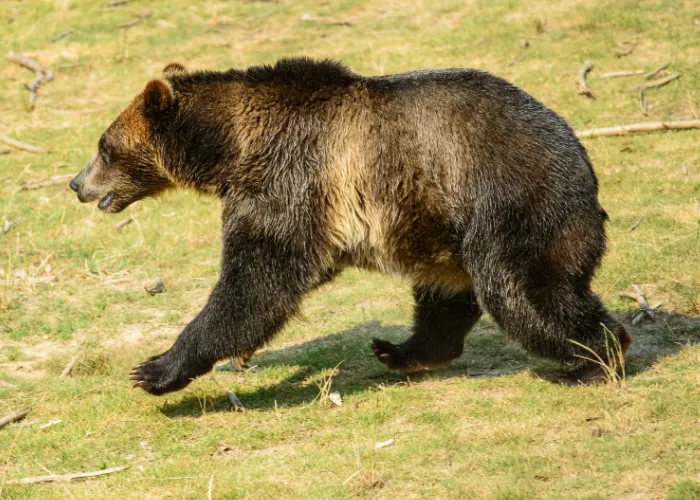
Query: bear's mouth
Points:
[106, 201]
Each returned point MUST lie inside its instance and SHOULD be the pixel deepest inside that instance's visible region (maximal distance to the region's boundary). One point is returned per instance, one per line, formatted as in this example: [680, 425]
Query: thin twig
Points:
[210, 489]
[66, 477]
[15, 416]
[582, 86]
[56, 179]
[654, 72]
[618, 74]
[638, 127]
[136, 20]
[69, 367]
[643, 103]
[657, 83]
[625, 52]
[636, 224]
[21, 145]
[61, 36]
[42, 75]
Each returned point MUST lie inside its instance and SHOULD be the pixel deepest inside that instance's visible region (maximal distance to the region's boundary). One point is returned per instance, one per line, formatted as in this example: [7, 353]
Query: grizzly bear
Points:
[454, 178]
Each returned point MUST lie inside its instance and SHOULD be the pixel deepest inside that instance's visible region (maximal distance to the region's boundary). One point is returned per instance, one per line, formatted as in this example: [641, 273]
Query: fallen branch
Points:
[643, 103]
[656, 83]
[328, 20]
[237, 405]
[42, 75]
[638, 127]
[582, 86]
[617, 74]
[61, 36]
[638, 296]
[122, 224]
[625, 52]
[64, 478]
[654, 72]
[136, 20]
[69, 367]
[56, 179]
[15, 416]
[21, 145]
[636, 224]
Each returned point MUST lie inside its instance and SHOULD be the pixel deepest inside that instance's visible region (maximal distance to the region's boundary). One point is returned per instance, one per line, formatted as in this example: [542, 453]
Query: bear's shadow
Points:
[488, 353]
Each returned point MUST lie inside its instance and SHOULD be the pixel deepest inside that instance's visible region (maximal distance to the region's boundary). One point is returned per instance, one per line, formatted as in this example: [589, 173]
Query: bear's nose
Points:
[74, 184]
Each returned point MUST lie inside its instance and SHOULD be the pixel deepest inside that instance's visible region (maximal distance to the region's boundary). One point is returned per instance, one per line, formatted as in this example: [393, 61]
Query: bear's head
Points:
[129, 164]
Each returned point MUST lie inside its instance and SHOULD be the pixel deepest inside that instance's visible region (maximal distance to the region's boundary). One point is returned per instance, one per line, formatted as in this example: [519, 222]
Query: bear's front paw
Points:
[158, 375]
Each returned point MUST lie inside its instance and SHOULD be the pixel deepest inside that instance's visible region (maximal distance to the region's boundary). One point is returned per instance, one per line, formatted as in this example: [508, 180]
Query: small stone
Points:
[335, 398]
[156, 286]
[524, 43]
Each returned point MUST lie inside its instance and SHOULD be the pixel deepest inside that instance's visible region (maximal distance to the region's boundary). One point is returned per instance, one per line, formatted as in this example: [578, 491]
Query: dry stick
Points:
[652, 84]
[118, 2]
[643, 103]
[237, 405]
[21, 145]
[56, 179]
[638, 127]
[626, 52]
[69, 367]
[15, 416]
[136, 20]
[617, 74]
[636, 224]
[653, 72]
[61, 36]
[582, 87]
[657, 83]
[66, 477]
[42, 75]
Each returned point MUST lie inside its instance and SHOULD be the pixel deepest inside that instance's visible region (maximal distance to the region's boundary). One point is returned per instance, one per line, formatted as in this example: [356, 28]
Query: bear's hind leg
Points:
[442, 321]
[549, 308]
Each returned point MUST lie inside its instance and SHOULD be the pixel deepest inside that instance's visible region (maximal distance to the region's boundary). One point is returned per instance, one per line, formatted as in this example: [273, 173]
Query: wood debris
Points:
[654, 72]
[69, 367]
[56, 179]
[237, 405]
[618, 74]
[61, 36]
[638, 127]
[50, 423]
[64, 478]
[327, 20]
[383, 444]
[122, 224]
[43, 75]
[582, 86]
[656, 83]
[636, 224]
[646, 310]
[627, 51]
[21, 145]
[133, 22]
[15, 416]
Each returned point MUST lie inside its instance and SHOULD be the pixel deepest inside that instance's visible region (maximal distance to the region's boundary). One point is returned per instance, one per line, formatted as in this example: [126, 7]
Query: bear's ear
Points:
[158, 99]
[173, 69]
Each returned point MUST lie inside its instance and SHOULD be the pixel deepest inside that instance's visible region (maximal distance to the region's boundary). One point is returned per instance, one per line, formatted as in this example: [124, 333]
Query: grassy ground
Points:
[486, 426]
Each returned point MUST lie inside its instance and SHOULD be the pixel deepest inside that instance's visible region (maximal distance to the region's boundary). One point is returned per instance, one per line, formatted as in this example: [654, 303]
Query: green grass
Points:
[488, 425]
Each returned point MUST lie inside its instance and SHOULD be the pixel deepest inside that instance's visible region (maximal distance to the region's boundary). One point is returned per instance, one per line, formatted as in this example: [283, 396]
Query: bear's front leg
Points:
[262, 283]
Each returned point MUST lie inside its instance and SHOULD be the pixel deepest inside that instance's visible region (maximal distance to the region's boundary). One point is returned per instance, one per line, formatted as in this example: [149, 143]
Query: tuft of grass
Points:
[613, 366]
